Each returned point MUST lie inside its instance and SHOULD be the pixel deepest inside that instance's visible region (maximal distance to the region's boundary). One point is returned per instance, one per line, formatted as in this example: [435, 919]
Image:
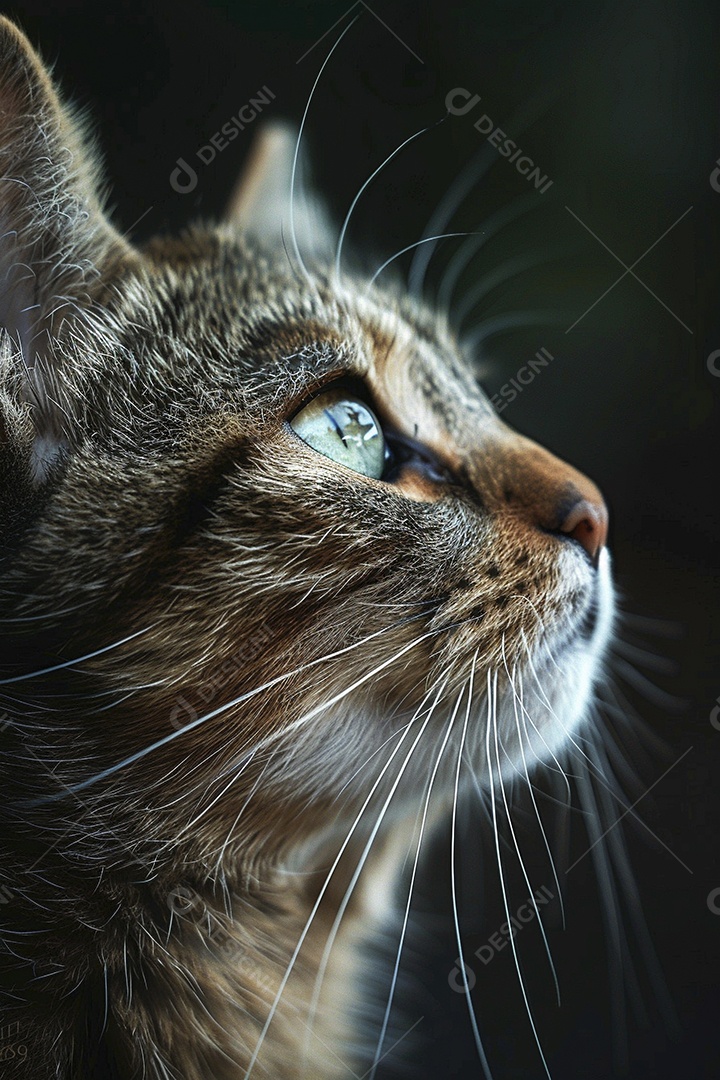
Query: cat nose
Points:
[587, 523]
[563, 500]
[534, 485]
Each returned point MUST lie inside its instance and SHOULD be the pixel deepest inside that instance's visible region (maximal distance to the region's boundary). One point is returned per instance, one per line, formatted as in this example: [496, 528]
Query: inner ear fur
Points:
[56, 243]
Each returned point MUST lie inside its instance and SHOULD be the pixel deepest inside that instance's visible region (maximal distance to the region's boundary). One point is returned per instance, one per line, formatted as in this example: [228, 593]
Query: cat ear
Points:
[55, 242]
[261, 202]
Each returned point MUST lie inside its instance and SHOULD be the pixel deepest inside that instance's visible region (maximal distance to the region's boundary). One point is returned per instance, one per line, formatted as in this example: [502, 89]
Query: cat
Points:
[272, 569]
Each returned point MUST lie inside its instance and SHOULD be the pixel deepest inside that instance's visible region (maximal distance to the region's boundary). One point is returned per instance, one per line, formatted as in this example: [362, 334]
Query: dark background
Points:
[618, 104]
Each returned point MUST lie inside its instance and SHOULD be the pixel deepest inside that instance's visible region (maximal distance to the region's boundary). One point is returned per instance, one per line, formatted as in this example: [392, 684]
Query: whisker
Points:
[515, 840]
[370, 757]
[453, 882]
[138, 755]
[469, 249]
[323, 890]
[393, 984]
[293, 235]
[661, 664]
[611, 920]
[586, 760]
[506, 904]
[294, 726]
[661, 698]
[363, 859]
[518, 698]
[426, 240]
[353, 204]
[75, 660]
[658, 627]
[239, 814]
[525, 715]
[498, 276]
[466, 180]
[500, 324]
[619, 854]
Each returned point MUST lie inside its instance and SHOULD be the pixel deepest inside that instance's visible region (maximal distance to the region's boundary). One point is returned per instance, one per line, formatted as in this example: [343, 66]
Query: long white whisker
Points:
[515, 840]
[652, 693]
[534, 802]
[353, 204]
[363, 859]
[467, 251]
[391, 995]
[465, 181]
[506, 904]
[223, 708]
[655, 662]
[293, 235]
[75, 660]
[323, 890]
[500, 324]
[426, 240]
[518, 699]
[239, 814]
[547, 704]
[497, 276]
[619, 855]
[610, 915]
[525, 715]
[369, 758]
[456, 918]
[461, 187]
[301, 721]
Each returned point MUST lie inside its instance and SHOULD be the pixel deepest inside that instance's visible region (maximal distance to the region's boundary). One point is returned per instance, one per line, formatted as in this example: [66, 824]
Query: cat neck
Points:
[188, 976]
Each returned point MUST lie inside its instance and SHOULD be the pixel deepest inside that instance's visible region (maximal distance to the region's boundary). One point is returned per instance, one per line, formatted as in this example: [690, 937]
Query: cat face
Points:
[275, 505]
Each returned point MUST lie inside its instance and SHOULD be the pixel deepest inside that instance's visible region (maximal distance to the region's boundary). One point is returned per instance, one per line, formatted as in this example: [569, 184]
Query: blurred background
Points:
[611, 269]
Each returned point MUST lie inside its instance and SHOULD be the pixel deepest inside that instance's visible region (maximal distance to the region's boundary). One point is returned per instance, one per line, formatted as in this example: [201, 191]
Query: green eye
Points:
[344, 430]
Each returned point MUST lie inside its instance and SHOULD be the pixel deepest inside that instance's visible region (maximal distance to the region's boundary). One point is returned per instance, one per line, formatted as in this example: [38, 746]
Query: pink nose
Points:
[587, 522]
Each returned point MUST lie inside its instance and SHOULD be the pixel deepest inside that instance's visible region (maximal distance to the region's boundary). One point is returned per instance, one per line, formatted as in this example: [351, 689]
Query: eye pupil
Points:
[344, 429]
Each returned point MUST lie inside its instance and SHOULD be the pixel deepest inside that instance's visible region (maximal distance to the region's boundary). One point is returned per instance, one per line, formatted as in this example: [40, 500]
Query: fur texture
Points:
[218, 645]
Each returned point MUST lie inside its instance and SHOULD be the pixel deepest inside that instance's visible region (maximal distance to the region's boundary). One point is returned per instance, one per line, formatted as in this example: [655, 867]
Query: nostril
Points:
[587, 523]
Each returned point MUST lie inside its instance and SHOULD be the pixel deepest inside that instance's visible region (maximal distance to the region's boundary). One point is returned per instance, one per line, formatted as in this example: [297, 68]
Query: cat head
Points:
[267, 503]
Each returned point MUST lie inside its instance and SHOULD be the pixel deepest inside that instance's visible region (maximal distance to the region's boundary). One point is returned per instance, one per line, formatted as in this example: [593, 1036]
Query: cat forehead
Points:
[254, 320]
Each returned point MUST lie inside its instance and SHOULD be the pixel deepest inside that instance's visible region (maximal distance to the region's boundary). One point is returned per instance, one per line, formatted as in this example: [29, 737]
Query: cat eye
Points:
[344, 429]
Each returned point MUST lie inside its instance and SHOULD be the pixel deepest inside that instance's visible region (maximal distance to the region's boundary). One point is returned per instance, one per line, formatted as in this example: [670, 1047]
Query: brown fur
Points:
[156, 496]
